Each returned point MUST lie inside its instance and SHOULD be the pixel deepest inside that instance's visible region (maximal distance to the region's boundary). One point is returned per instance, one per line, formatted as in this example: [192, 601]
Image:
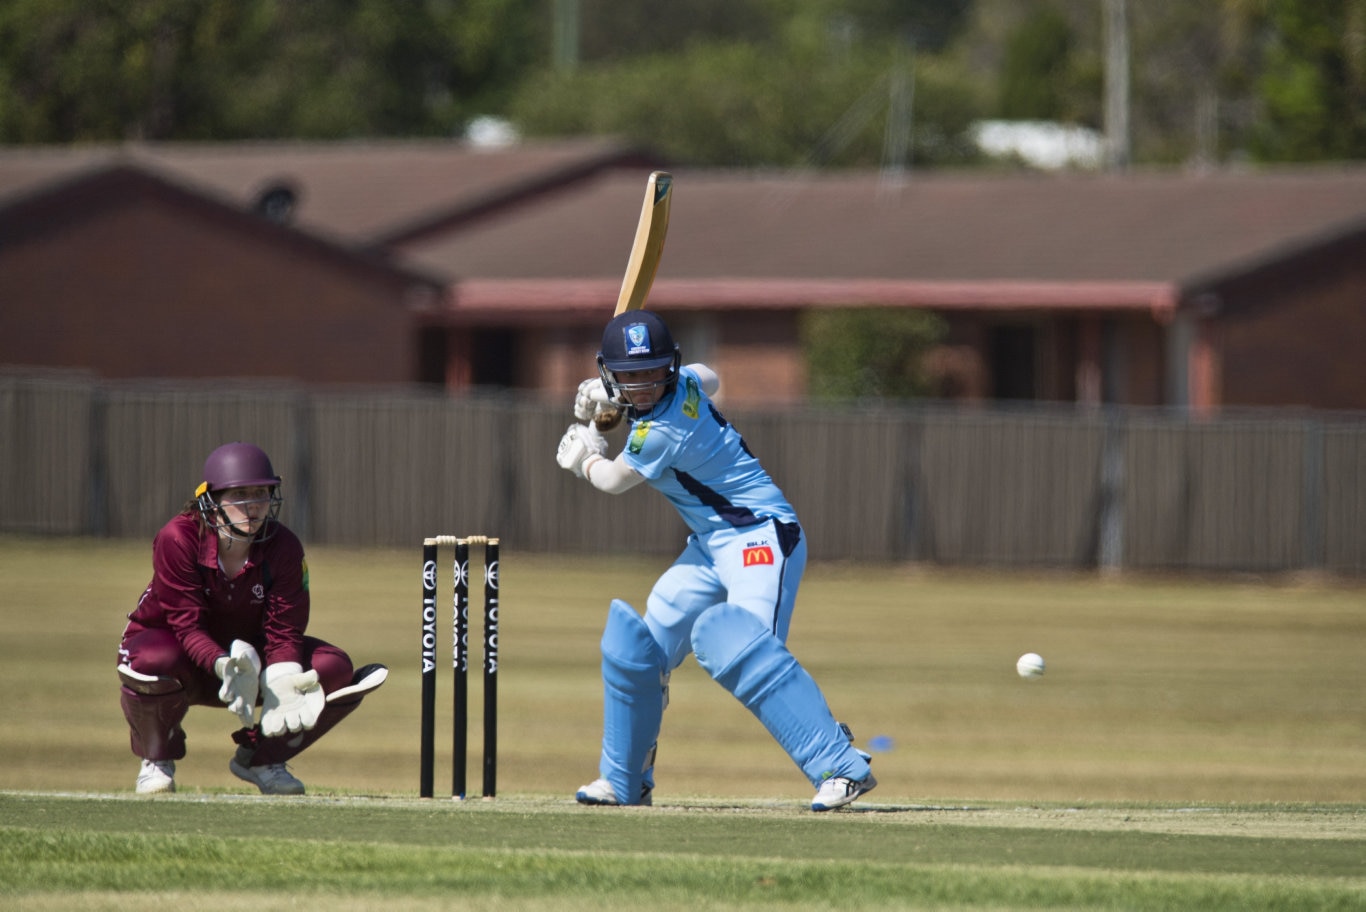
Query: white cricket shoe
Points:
[270, 778]
[156, 777]
[838, 791]
[600, 791]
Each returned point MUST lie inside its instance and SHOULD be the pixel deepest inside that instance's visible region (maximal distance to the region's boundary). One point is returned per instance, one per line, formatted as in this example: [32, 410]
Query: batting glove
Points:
[591, 397]
[240, 670]
[578, 444]
[293, 699]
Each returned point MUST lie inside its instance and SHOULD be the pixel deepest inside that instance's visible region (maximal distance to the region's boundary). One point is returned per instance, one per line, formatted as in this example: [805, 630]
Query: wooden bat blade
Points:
[649, 243]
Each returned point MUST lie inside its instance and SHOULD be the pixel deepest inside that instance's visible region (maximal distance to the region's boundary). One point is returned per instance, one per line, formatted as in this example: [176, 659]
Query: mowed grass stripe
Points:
[839, 837]
[57, 862]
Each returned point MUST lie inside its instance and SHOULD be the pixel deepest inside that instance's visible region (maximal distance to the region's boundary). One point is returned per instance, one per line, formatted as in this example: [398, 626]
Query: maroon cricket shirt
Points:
[266, 604]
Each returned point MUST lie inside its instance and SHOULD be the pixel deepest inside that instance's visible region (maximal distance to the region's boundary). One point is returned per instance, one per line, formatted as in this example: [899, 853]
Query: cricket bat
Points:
[649, 243]
[646, 251]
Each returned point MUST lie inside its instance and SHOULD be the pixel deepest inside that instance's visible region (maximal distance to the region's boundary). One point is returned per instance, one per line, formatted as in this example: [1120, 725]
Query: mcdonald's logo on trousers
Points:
[761, 555]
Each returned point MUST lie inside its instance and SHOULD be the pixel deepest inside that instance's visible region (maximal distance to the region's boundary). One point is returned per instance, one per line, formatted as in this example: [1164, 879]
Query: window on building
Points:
[1012, 362]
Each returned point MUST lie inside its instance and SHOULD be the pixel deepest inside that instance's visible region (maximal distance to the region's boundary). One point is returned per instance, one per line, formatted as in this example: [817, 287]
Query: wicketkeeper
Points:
[727, 599]
[222, 622]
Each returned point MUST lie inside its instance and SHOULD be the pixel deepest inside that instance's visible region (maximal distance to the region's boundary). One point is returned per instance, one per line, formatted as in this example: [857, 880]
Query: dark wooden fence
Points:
[1139, 490]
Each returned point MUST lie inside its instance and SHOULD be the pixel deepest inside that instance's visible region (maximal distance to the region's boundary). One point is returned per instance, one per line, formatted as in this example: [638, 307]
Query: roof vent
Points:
[277, 202]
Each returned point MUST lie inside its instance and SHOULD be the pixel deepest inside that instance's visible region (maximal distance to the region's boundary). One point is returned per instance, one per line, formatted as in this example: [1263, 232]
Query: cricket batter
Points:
[222, 622]
[728, 598]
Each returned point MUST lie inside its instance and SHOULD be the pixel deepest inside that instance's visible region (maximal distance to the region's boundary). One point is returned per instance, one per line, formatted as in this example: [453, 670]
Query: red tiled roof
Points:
[356, 190]
[1138, 228]
[547, 226]
[57, 203]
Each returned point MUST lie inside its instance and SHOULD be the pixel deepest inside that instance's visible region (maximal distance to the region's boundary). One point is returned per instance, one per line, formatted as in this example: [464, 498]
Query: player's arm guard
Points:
[611, 476]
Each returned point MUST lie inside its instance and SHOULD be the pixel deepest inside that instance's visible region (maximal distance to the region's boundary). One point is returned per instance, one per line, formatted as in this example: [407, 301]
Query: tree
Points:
[710, 82]
[1035, 69]
[869, 353]
[738, 104]
[638, 28]
[1313, 85]
[230, 69]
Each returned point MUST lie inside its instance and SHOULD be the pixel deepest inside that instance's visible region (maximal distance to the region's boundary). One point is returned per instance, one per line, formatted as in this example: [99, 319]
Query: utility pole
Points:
[896, 140]
[1116, 85]
[565, 31]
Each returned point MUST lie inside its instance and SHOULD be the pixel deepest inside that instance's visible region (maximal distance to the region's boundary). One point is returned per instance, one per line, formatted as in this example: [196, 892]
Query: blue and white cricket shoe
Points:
[837, 791]
[600, 791]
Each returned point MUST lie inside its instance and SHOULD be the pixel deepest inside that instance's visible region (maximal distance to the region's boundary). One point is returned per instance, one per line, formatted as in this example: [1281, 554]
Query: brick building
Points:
[438, 263]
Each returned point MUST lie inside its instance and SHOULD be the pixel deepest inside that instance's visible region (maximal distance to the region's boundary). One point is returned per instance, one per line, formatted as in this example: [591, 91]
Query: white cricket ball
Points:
[1030, 665]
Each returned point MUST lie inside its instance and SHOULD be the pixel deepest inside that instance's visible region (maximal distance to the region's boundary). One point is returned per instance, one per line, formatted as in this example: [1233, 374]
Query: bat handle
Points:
[607, 418]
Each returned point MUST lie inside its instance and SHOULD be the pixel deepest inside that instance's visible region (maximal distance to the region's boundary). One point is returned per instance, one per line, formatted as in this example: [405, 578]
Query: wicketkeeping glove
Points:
[578, 443]
[590, 399]
[293, 699]
[240, 670]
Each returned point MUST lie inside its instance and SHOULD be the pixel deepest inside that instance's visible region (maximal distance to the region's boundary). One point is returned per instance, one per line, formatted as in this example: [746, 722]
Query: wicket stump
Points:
[459, 662]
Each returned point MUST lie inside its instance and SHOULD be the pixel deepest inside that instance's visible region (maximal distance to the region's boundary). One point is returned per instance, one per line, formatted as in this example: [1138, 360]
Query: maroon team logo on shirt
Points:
[259, 591]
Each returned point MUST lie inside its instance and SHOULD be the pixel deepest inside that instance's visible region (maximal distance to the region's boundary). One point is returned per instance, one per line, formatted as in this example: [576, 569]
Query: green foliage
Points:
[928, 25]
[620, 31]
[1035, 68]
[869, 353]
[1314, 83]
[735, 104]
[229, 69]
[705, 82]
[768, 93]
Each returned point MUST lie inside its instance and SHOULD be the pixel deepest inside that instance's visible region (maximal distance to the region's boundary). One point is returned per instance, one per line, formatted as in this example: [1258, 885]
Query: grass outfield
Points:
[225, 852]
[1192, 745]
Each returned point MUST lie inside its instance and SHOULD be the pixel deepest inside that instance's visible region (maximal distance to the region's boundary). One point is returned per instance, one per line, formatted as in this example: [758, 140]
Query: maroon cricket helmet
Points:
[238, 465]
